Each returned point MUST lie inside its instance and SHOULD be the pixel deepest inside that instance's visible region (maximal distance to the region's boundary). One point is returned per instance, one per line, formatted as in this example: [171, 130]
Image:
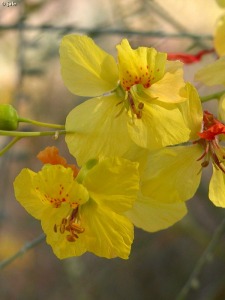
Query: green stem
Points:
[22, 134]
[23, 250]
[42, 124]
[7, 147]
[206, 256]
[212, 96]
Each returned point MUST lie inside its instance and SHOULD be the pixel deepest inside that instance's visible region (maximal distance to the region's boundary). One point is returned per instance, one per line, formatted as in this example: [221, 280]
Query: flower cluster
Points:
[140, 143]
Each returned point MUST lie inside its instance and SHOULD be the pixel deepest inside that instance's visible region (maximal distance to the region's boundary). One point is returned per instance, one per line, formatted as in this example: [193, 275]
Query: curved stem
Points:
[7, 147]
[23, 250]
[22, 134]
[212, 96]
[207, 254]
[42, 124]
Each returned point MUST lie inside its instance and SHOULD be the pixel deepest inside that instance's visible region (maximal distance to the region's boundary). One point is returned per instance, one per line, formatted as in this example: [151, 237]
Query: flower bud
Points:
[8, 117]
[85, 169]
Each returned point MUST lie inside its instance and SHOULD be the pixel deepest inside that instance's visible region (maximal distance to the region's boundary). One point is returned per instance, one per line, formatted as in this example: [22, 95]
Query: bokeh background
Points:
[160, 263]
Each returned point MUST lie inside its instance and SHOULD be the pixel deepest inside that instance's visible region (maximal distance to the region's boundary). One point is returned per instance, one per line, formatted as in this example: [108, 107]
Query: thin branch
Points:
[207, 254]
[24, 134]
[97, 31]
[170, 19]
[216, 96]
[9, 145]
[22, 251]
[41, 124]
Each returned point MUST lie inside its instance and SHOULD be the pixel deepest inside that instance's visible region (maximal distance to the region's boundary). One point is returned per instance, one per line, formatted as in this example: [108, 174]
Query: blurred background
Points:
[160, 263]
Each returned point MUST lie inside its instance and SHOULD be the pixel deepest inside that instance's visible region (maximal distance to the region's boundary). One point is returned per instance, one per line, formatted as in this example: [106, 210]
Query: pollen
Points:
[71, 225]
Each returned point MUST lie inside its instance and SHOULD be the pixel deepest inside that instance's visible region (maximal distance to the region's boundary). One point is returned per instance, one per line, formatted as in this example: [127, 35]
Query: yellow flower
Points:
[168, 176]
[137, 99]
[83, 213]
[172, 175]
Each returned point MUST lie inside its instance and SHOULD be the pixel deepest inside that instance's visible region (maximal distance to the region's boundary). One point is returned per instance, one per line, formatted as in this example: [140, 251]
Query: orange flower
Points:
[50, 155]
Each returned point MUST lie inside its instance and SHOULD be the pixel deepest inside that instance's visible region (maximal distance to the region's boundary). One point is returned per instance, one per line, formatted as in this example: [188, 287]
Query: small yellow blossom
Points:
[168, 176]
[83, 213]
[137, 100]
[173, 174]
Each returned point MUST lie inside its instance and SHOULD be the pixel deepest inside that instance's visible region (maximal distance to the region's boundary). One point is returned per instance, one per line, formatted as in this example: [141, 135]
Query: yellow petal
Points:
[114, 182]
[162, 124]
[61, 247]
[219, 36]
[58, 181]
[217, 188]
[167, 89]
[107, 234]
[49, 195]
[152, 215]
[213, 73]
[27, 194]
[192, 110]
[139, 155]
[52, 187]
[97, 129]
[86, 69]
[172, 174]
[140, 66]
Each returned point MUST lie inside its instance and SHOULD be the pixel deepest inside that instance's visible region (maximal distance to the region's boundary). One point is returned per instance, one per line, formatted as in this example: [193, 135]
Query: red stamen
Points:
[212, 127]
[209, 140]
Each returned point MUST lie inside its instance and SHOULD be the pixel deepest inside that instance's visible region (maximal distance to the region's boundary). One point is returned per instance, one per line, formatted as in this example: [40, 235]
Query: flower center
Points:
[136, 109]
[70, 225]
[212, 150]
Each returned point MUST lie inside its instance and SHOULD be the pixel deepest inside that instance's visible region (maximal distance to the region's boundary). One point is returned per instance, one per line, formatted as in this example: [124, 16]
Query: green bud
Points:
[8, 117]
[85, 169]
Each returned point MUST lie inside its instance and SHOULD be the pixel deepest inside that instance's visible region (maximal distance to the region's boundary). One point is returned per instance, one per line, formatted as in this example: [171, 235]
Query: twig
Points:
[97, 31]
[23, 250]
[206, 256]
[217, 96]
